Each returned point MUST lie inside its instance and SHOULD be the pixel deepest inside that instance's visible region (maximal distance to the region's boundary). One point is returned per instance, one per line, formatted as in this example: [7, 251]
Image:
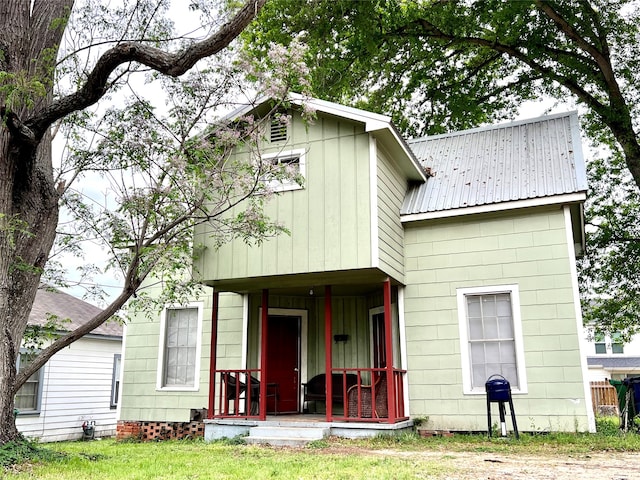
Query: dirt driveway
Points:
[496, 466]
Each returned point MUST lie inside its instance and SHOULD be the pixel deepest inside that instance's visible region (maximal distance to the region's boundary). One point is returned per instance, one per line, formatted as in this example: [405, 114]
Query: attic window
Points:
[278, 130]
[286, 169]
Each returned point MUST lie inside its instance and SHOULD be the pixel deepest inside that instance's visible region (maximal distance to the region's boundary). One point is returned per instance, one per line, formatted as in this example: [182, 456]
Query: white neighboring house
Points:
[608, 358]
[78, 384]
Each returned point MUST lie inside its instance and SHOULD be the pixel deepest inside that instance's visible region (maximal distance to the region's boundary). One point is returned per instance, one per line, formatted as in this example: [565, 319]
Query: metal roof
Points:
[521, 160]
[54, 302]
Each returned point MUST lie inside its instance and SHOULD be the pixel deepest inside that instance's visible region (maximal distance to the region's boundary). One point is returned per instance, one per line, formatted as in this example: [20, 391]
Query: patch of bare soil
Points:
[492, 466]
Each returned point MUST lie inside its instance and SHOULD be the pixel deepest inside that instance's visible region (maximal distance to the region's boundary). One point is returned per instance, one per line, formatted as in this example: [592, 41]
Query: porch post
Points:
[263, 355]
[213, 353]
[388, 340]
[328, 363]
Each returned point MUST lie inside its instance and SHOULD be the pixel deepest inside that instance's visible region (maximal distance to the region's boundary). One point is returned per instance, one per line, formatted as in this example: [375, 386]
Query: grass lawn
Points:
[107, 459]
[334, 458]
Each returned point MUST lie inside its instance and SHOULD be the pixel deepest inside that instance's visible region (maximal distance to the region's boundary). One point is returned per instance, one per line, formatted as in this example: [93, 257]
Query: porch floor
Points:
[218, 428]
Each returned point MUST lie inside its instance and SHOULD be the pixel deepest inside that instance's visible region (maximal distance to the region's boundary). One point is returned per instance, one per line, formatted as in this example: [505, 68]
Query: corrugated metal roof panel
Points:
[515, 161]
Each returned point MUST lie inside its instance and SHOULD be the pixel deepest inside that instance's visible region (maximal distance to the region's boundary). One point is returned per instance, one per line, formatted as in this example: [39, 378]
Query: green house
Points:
[414, 271]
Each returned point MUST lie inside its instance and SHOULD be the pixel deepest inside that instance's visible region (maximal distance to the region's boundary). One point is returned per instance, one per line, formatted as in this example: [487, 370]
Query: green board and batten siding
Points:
[330, 224]
[391, 190]
[527, 248]
[328, 219]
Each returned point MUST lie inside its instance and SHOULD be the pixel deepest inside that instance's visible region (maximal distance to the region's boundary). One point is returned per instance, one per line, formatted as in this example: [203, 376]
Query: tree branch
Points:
[42, 358]
[16, 127]
[601, 58]
[172, 64]
[434, 32]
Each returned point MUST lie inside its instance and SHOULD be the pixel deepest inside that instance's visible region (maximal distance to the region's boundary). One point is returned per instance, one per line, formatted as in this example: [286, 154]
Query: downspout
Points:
[328, 360]
[213, 354]
[388, 340]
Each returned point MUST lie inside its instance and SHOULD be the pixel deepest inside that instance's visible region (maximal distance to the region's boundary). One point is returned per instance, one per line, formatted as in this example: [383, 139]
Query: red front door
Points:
[283, 359]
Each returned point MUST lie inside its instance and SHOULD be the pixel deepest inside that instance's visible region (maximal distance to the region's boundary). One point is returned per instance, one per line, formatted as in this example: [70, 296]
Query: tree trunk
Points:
[29, 216]
[621, 124]
[28, 199]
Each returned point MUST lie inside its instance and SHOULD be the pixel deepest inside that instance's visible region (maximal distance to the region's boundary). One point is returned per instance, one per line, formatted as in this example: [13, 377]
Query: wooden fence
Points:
[604, 398]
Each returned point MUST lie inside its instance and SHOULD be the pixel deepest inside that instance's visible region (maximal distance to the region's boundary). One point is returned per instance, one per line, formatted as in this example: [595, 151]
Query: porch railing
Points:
[368, 400]
[238, 393]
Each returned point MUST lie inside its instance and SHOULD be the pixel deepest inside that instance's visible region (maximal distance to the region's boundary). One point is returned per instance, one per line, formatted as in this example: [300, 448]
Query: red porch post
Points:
[213, 353]
[263, 355]
[391, 386]
[328, 363]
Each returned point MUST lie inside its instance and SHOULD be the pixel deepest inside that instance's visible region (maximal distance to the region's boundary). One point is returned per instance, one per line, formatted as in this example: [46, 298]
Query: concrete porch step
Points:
[286, 435]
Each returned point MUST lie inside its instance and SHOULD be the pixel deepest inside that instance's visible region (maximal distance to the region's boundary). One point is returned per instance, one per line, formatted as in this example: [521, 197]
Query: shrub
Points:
[22, 450]
[608, 426]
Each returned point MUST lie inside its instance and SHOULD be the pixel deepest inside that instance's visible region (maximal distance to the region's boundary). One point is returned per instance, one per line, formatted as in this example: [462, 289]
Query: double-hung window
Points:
[180, 348]
[611, 344]
[617, 344]
[491, 337]
[29, 397]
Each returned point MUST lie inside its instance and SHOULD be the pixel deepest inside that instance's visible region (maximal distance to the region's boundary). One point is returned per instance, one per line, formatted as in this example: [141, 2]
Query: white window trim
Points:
[163, 325]
[395, 334]
[463, 323]
[608, 341]
[280, 186]
[115, 380]
[40, 373]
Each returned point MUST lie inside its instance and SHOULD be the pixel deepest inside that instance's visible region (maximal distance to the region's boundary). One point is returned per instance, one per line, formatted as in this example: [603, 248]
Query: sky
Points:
[93, 187]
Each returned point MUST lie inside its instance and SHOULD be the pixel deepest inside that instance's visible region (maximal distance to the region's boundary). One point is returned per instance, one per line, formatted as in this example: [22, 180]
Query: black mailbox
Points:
[499, 391]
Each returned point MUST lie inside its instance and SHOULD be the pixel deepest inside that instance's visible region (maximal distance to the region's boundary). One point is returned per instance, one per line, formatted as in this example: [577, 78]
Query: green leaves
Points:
[35, 336]
[20, 90]
[610, 271]
[437, 65]
[11, 226]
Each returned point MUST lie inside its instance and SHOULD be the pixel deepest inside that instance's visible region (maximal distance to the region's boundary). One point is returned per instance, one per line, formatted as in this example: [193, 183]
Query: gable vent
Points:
[278, 131]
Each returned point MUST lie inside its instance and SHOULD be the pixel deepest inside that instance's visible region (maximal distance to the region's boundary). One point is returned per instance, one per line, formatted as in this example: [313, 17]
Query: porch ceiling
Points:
[349, 282]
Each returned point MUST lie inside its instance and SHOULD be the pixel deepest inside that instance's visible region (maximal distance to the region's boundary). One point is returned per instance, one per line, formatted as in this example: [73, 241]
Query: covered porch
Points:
[292, 336]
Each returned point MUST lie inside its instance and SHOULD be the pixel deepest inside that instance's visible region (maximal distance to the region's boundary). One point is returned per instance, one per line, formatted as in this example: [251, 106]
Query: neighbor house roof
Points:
[54, 302]
[620, 363]
[534, 161]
